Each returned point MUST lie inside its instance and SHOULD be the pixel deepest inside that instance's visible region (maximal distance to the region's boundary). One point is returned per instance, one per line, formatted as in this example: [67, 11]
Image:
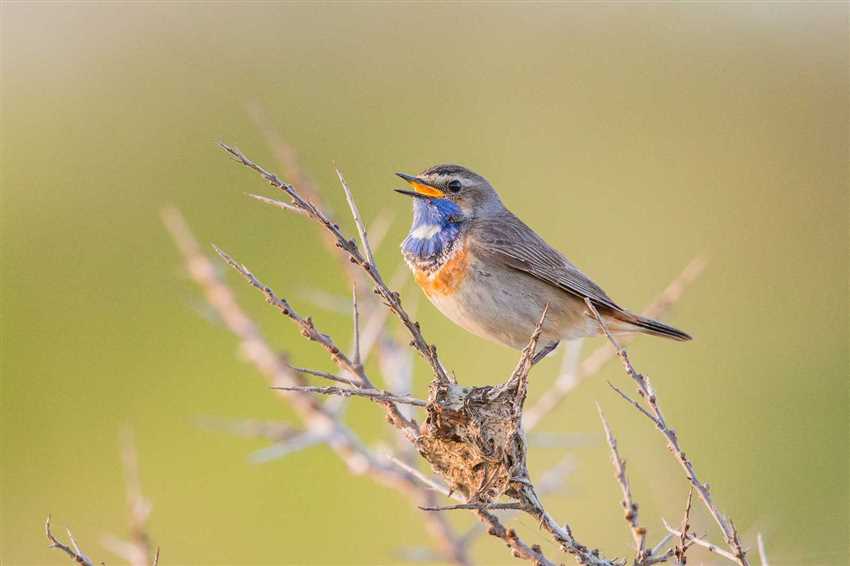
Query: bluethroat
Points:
[491, 274]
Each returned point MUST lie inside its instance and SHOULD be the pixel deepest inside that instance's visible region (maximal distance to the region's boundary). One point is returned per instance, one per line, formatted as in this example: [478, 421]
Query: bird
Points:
[491, 274]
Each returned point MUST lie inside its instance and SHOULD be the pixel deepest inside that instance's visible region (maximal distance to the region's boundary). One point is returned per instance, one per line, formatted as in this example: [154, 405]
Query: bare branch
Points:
[355, 356]
[277, 203]
[390, 298]
[519, 378]
[270, 364]
[358, 221]
[681, 549]
[477, 506]
[325, 375]
[762, 553]
[75, 553]
[654, 413]
[550, 481]
[373, 394]
[561, 534]
[630, 506]
[711, 547]
[503, 470]
[519, 548]
[633, 403]
[656, 555]
[591, 365]
[662, 543]
[309, 331]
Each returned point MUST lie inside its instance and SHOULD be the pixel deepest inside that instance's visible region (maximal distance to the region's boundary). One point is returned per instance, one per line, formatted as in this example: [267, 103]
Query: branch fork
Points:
[472, 437]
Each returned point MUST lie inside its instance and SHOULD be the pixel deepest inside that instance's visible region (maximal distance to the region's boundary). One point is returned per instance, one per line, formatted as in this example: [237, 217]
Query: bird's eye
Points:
[454, 185]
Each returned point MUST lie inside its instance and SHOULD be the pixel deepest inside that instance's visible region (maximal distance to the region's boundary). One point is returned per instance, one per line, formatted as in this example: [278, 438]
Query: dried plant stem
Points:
[442, 382]
[762, 552]
[473, 437]
[73, 551]
[568, 380]
[654, 413]
[316, 418]
[630, 506]
[711, 547]
[518, 548]
[681, 549]
[373, 394]
[390, 298]
[477, 506]
[309, 331]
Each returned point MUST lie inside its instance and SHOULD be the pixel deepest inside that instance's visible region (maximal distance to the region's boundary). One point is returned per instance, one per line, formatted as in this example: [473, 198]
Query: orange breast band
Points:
[447, 279]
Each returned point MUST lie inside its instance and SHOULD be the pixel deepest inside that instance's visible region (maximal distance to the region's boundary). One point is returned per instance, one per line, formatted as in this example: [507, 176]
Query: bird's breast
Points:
[446, 278]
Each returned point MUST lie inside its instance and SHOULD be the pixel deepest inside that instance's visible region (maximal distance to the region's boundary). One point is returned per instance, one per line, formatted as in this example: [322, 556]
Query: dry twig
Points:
[373, 394]
[691, 538]
[656, 416]
[316, 418]
[473, 437]
[762, 552]
[681, 549]
[570, 377]
[75, 553]
[390, 298]
[309, 331]
[630, 506]
[512, 392]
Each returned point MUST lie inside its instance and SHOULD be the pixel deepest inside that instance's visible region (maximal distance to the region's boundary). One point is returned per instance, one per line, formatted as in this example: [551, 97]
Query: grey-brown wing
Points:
[508, 240]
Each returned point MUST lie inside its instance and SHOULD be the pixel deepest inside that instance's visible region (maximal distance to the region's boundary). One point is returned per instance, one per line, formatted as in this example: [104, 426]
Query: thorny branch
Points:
[391, 298]
[690, 538]
[630, 506]
[373, 394]
[571, 377]
[309, 331]
[653, 412]
[75, 553]
[519, 380]
[681, 549]
[316, 417]
[289, 381]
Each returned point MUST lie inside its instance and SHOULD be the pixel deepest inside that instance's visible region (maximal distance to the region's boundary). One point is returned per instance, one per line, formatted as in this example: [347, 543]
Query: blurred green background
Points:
[633, 137]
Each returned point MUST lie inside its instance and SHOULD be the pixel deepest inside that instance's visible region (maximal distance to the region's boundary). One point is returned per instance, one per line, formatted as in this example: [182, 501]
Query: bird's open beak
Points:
[421, 187]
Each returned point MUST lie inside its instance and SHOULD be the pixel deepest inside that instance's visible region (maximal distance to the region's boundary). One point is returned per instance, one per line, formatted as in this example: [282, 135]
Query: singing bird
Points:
[491, 274]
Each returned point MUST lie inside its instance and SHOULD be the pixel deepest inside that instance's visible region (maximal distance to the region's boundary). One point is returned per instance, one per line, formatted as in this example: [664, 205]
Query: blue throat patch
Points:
[435, 229]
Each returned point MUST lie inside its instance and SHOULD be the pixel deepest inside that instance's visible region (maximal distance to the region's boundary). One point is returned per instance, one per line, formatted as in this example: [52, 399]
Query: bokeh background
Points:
[633, 137]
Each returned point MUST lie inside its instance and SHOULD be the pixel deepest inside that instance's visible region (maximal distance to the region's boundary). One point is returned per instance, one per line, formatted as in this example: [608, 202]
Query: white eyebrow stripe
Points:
[425, 232]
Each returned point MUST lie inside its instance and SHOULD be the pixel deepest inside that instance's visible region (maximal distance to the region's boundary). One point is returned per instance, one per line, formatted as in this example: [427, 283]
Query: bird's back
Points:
[504, 239]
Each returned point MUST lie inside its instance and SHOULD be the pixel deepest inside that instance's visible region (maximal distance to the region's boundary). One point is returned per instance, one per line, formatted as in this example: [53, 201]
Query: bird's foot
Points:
[544, 351]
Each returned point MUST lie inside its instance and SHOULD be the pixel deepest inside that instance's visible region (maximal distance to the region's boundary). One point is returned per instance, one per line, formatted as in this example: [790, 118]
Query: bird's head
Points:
[469, 191]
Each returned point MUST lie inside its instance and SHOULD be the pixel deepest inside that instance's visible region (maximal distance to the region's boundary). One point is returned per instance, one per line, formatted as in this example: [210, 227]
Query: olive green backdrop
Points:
[633, 137]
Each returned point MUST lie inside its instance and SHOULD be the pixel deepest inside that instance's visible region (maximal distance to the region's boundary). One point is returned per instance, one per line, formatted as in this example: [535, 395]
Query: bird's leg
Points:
[544, 351]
